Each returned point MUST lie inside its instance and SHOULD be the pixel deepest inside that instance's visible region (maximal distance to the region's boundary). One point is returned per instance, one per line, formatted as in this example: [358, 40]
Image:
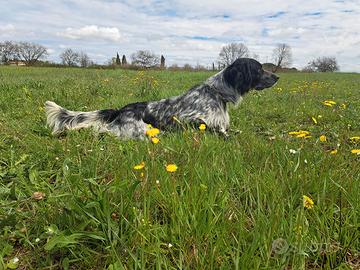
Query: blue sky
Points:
[188, 31]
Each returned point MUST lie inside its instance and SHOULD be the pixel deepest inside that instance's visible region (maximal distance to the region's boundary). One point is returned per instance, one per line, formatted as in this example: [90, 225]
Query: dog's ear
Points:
[233, 77]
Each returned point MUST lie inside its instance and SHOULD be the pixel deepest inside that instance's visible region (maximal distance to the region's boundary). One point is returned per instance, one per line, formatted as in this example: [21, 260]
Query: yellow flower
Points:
[308, 202]
[329, 103]
[355, 151]
[314, 120]
[202, 127]
[322, 138]
[343, 106]
[139, 166]
[171, 168]
[155, 140]
[152, 132]
[355, 138]
[299, 132]
[333, 152]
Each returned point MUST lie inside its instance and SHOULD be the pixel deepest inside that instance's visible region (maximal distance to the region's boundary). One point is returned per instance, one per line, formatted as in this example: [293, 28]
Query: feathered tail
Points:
[60, 119]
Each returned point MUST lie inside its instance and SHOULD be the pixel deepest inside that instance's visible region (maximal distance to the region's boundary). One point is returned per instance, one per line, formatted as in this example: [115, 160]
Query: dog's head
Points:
[245, 74]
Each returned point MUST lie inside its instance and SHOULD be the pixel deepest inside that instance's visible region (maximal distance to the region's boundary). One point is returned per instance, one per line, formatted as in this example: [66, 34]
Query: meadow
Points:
[283, 192]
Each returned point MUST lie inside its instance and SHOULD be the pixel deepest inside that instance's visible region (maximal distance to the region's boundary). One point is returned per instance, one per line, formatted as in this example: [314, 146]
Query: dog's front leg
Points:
[224, 133]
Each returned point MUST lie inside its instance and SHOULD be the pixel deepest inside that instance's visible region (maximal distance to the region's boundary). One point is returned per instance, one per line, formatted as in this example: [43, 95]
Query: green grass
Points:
[234, 204]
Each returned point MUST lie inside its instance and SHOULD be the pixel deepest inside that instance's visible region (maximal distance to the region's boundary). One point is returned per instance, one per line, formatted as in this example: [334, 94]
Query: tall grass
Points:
[234, 204]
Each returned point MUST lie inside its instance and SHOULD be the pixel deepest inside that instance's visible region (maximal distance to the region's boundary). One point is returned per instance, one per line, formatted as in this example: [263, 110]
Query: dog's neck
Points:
[226, 92]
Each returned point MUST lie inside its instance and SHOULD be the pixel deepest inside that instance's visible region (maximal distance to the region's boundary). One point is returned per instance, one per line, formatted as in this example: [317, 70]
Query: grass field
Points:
[76, 202]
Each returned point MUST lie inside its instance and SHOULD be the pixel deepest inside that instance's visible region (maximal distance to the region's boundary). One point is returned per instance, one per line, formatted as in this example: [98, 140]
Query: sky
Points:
[188, 31]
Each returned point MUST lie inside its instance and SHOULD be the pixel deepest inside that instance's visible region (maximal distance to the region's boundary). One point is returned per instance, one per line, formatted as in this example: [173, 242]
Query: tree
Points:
[31, 52]
[145, 59]
[118, 61]
[70, 57]
[323, 64]
[282, 56]
[9, 51]
[123, 60]
[162, 62]
[84, 60]
[229, 53]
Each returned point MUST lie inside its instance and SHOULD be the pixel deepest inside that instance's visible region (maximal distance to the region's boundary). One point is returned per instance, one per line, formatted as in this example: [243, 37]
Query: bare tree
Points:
[70, 57]
[145, 59]
[282, 56]
[255, 56]
[31, 52]
[84, 60]
[323, 64]
[9, 51]
[231, 52]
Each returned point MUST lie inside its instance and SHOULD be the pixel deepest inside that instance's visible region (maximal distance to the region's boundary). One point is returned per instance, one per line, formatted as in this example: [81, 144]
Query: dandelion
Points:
[343, 106]
[314, 120]
[171, 168]
[329, 103]
[296, 133]
[300, 134]
[155, 140]
[139, 166]
[333, 152]
[308, 202]
[202, 127]
[152, 132]
[356, 151]
[355, 138]
[322, 138]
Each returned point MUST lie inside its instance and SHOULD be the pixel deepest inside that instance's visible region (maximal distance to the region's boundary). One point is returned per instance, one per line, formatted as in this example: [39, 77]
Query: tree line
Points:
[30, 54]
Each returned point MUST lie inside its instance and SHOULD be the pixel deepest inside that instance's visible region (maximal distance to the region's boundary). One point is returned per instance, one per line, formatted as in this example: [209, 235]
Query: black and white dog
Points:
[206, 103]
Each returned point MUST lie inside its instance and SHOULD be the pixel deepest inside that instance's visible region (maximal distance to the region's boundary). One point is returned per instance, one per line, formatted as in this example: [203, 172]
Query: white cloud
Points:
[7, 30]
[92, 32]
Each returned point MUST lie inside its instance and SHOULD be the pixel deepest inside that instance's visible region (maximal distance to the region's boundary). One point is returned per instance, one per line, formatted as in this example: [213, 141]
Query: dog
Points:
[203, 104]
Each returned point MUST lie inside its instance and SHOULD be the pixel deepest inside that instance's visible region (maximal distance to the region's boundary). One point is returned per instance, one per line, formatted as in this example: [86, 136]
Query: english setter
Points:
[206, 103]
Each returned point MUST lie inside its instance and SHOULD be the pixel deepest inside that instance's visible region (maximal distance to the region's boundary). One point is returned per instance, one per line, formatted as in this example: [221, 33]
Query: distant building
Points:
[16, 63]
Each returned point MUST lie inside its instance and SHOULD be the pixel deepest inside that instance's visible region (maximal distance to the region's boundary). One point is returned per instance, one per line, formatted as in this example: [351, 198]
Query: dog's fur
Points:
[206, 103]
